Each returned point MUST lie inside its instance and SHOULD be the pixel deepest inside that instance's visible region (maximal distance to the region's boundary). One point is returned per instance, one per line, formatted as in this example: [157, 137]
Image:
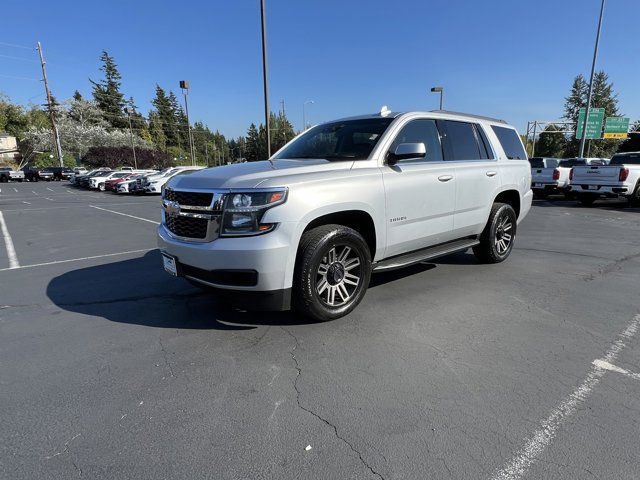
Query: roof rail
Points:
[470, 115]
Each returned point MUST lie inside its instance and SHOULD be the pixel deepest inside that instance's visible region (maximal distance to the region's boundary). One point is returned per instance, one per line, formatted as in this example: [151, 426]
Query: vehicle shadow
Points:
[138, 291]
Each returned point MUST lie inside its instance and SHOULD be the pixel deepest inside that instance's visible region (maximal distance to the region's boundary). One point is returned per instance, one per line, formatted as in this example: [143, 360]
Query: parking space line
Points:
[543, 437]
[78, 259]
[51, 190]
[8, 243]
[126, 215]
[600, 363]
[28, 203]
[47, 198]
[15, 189]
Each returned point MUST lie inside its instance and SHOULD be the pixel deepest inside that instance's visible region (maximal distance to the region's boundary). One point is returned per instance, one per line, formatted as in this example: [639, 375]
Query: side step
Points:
[417, 256]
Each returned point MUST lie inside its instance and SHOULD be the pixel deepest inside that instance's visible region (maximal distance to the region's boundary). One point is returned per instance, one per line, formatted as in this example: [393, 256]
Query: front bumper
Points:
[270, 255]
[153, 189]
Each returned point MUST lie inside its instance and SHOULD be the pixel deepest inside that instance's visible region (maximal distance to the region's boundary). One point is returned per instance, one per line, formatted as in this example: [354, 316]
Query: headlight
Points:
[243, 212]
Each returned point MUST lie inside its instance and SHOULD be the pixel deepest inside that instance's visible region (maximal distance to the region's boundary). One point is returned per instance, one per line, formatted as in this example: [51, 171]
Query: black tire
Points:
[586, 200]
[102, 187]
[634, 198]
[3, 179]
[569, 196]
[338, 247]
[496, 240]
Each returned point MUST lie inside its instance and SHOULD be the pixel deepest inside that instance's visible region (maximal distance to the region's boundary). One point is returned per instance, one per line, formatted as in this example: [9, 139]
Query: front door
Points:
[420, 192]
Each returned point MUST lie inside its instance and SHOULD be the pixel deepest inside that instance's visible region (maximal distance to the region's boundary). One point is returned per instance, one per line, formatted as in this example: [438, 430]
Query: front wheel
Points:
[496, 240]
[101, 187]
[332, 274]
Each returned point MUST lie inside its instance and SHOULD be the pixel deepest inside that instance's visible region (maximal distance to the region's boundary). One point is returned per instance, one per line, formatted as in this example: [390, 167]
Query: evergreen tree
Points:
[603, 96]
[166, 118]
[252, 152]
[156, 131]
[550, 144]
[107, 93]
[632, 144]
[180, 124]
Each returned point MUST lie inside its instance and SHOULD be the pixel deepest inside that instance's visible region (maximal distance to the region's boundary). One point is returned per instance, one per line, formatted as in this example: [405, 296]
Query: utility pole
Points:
[282, 126]
[184, 85]
[265, 80]
[533, 143]
[54, 127]
[133, 146]
[593, 71]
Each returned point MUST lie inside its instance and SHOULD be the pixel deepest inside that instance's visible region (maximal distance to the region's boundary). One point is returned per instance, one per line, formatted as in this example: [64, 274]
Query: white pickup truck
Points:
[551, 175]
[621, 178]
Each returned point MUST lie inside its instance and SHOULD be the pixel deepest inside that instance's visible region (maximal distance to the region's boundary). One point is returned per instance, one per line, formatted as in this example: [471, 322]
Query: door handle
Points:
[445, 178]
[491, 174]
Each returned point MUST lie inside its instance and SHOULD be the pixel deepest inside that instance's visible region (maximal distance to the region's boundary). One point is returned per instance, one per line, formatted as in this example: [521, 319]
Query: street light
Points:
[184, 85]
[439, 90]
[593, 71]
[304, 114]
[265, 78]
[133, 147]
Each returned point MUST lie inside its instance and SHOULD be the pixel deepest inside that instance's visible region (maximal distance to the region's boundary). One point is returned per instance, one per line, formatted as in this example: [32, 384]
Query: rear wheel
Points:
[332, 272]
[586, 200]
[540, 194]
[634, 198]
[496, 240]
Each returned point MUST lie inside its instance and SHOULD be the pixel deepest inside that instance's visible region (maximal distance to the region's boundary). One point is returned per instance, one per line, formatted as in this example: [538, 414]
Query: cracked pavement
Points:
[109, 368]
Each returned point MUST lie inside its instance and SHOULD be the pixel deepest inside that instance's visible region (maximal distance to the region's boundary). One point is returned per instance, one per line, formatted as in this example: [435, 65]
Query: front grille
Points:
[189, 227]
[193, 199]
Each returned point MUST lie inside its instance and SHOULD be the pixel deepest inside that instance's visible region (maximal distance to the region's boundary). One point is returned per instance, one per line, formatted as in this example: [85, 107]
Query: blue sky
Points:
[513, 59]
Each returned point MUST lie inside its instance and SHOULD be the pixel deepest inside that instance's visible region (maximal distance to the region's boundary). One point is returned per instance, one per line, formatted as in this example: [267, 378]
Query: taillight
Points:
[556, 174]
[571, 174]
[624, 173]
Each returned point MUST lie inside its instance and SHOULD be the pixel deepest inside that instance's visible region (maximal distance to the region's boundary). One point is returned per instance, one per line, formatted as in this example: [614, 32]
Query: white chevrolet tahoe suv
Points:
[307, 228]
[620, 178]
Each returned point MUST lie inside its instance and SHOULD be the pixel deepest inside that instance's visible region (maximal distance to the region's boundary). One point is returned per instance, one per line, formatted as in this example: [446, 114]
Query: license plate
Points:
[169, 263]
[592, 187]
[537, 185]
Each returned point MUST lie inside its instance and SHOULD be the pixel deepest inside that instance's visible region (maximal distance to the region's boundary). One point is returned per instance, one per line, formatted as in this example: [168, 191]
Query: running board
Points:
[417, 256]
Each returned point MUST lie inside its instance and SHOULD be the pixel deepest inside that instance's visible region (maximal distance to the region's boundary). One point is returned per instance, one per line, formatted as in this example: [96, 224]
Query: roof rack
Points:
[470, 115]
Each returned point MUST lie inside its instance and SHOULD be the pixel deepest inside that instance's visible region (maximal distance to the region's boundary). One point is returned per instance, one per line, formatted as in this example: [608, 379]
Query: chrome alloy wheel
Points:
[338, 276]
[503, 236]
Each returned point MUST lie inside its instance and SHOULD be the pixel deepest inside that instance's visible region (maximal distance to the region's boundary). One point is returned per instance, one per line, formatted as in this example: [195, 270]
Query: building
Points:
[8, 148]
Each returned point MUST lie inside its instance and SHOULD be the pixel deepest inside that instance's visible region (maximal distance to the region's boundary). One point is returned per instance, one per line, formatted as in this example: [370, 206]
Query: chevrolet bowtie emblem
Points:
[171, 207]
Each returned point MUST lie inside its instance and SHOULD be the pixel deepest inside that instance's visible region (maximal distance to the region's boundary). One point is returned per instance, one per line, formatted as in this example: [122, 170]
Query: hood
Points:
[251, 174]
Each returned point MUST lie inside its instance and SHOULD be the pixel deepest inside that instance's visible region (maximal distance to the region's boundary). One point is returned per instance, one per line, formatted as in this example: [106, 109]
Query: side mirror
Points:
[405, 151]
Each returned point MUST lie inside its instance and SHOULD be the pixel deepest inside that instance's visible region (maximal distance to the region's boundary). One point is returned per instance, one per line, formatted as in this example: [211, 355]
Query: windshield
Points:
[347, 140]
[628, 158]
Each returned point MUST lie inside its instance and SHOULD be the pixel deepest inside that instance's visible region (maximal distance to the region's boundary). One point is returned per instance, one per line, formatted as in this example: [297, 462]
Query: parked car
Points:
[60, 173]
[110, 185]
[33, 174]
[546, 177]
[155, 184]
[83, 180]
[621, 178]
[128, 185]
[8, 174]
[79, 170]
[98, 181]
[343, 199]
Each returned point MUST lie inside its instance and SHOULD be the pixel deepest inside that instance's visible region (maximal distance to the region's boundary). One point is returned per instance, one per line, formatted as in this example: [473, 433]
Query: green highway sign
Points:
[594, 123]
[616, 127]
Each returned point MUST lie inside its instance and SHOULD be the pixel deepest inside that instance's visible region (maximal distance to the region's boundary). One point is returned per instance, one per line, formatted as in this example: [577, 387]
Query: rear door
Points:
[420, 192]
[468, 151]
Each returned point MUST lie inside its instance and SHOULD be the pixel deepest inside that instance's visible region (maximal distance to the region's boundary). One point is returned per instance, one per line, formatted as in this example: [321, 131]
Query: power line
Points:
[18, 58]
[20, 78]
[14, 45]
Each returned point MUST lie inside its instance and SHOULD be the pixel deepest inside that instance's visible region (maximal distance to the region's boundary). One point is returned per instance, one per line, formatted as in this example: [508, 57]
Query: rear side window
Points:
[629, 159]
[421, 131]
[536, 162]
[573, 162]
[510, 142]
[463, 141]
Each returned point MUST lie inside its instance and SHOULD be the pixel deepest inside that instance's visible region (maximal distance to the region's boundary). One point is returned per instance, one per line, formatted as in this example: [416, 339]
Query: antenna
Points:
[384, 111]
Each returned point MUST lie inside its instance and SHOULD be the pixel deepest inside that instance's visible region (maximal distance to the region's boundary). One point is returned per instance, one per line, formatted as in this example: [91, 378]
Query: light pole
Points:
[133, 146]
[593, 71]
[439, 90]
[265, 80]
[184, 85]
[304, 114]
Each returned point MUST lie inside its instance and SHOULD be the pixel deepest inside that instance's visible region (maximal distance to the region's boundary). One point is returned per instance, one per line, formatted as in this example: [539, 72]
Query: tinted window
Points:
[462, 141]
[510, 142]
[629, 159]
[346, 140]
[420, 131]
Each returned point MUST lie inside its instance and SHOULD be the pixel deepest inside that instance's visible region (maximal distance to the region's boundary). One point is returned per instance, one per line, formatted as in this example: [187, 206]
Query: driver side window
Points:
[420, 131]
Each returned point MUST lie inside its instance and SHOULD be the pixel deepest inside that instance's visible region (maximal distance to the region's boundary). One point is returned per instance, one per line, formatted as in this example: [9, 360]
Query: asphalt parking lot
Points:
[111, 368]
